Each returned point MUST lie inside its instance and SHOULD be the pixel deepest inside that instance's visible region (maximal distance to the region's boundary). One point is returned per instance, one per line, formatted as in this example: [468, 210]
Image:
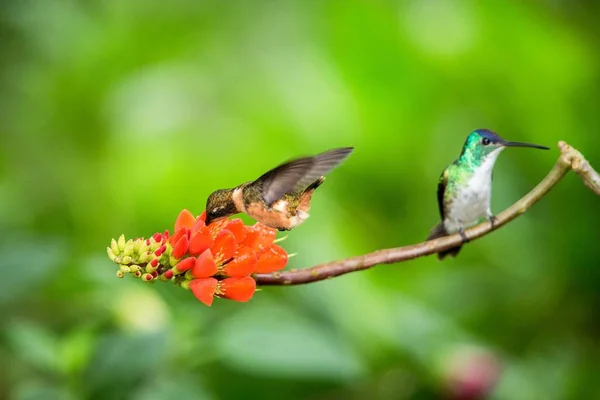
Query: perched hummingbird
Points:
[465, 186]
[280, 198]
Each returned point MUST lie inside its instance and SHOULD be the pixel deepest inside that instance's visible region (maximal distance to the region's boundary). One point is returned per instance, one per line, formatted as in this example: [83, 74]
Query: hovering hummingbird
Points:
[465, 186]
[280, 198]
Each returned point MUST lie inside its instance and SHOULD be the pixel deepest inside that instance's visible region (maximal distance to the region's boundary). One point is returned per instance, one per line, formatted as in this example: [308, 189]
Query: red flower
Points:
[224, 246]
[239, 230]
[181, 247]
[185, 219]
[212, 260]
[238, 289]
[244, 263]
[259, 236]
[205, 265]
[204, 289]
[201, 239]
[271, 259]
[185, 265]
[178, 235]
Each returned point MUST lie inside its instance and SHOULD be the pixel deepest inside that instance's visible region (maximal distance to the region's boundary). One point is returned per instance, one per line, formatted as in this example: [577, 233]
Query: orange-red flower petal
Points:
[272, 259]
[259, 236]
[204, 289]
[185, 264]
[178, 234]
[181, 247]
[217, 225]
[237, 227]
[238, 289]
[224, 247]
[199, 224]
[204, 266]
[243, 264]
[202, 216]
[184, 220]
[200, 241]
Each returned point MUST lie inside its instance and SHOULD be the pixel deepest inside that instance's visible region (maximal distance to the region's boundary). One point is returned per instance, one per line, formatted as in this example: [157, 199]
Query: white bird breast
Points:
[473, 199]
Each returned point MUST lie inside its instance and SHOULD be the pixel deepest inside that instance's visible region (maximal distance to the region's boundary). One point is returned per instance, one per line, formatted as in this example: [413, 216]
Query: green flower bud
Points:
[143, 258]
[115, 247]
[111, 254]
[137, 244]
[126, 260]
[124, 268]
[154, 245]
[121, 242]
[120, 274]
[143, 247]
[128, 250]
[150, 268]
[147, 277]
[167, 276]
[134, 268]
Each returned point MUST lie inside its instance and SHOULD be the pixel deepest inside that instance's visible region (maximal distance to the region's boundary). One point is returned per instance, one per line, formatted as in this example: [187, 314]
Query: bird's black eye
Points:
[485, 141]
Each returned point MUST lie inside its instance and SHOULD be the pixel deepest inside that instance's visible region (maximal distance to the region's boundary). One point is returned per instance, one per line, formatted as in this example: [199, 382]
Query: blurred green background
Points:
[115, 115]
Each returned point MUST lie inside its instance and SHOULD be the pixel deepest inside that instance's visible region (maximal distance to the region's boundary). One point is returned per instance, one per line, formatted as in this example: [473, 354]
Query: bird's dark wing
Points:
[441, 189]
[323, 164]
[283, 179]
[296, 175]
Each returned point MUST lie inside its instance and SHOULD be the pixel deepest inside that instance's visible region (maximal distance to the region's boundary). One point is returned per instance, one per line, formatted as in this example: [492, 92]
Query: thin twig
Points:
[570, 159]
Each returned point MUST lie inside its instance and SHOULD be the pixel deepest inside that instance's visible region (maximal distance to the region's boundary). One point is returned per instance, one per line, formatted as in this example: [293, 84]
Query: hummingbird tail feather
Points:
[453, 252]
[439, 231]
[315, 184]
[306, 195]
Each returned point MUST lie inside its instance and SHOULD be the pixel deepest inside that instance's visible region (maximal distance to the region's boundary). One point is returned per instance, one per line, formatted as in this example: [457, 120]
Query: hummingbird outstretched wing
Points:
[294, 176]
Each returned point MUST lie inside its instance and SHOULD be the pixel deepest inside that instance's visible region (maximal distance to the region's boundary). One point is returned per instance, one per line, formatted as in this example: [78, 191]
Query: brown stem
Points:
[570, 159]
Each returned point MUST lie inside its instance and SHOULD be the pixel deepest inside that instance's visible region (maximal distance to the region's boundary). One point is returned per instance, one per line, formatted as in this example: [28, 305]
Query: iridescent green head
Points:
[483, 144]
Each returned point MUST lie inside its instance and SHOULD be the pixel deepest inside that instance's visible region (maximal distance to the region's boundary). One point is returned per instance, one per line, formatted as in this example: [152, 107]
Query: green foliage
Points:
[115, 115]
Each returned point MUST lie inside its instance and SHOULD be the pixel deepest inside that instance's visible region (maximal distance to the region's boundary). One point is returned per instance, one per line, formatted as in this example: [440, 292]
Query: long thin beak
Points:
[522, 144]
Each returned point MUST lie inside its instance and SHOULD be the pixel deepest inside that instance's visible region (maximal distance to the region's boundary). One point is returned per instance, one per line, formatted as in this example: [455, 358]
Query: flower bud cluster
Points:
[215, 260]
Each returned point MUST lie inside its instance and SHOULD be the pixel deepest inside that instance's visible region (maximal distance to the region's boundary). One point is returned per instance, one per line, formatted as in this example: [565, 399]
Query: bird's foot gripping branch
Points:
[228, 259]
[211, 260]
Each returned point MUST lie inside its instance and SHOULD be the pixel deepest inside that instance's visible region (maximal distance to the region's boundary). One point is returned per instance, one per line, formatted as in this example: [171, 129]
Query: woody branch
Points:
[570, 159]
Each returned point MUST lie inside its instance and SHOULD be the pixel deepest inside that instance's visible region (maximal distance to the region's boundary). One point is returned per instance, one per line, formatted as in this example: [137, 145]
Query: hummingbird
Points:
[280, 198]
[465, 187]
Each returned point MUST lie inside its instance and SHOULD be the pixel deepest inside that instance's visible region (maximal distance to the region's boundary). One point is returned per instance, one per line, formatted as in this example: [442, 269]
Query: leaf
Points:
[183, 387]
[75, 349]
[27, 261]
[272, 341]
[121, 360]
[34, 344]
[31, 389]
